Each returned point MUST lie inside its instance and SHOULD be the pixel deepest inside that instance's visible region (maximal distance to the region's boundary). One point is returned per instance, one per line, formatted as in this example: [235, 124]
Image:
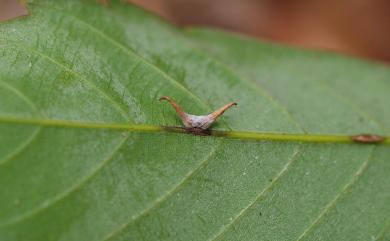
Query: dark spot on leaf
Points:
[270, 180]
[198, 131]
[193, 131]
[367, 138]
[260, 214]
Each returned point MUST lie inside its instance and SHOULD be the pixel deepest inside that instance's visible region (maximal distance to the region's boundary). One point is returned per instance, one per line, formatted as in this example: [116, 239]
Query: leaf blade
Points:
[154, 185]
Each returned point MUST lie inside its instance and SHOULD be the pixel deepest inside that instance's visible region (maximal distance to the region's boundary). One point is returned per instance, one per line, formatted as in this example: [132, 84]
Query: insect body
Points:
[202, 122]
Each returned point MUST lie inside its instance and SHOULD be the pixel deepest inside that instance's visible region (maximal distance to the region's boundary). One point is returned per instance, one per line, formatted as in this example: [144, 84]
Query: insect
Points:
[196, 123]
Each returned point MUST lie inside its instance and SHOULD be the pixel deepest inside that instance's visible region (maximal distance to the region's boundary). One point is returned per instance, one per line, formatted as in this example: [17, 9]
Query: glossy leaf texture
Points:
[74, 74]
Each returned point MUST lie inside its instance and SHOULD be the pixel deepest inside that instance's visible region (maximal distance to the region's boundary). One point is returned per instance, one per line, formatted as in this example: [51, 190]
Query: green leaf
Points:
[83, 155]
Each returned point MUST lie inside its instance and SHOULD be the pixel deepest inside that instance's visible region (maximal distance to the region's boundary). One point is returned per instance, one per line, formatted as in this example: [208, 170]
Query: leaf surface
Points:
[82, 156]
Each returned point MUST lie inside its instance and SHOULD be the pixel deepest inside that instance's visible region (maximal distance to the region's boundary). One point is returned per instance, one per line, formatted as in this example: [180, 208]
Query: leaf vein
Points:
[334, 201]
[257, 87]
[48, 203]
[105, 95]
[382, 234]
[163, 198]
[258, 197]
[33, 136]
[326, 87]
[132, 53]
[19, 94]
[22, 146]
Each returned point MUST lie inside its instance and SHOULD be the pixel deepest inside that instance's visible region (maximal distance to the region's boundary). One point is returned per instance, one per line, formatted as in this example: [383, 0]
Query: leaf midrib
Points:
[242, 135]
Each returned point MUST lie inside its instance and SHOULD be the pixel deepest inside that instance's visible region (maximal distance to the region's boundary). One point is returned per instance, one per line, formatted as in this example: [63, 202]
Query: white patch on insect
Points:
[199, 121]
[202, 122]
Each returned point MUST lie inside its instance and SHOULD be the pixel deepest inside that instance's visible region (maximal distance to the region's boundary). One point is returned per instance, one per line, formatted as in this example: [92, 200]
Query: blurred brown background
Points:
[357, 27]
[10, 9]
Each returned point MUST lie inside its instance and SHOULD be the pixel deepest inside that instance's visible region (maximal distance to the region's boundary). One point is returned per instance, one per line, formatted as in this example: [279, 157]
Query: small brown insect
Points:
[368, 138]
[194, 122]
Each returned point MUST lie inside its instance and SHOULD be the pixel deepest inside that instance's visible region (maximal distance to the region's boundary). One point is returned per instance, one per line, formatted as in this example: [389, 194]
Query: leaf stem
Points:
[243, 135]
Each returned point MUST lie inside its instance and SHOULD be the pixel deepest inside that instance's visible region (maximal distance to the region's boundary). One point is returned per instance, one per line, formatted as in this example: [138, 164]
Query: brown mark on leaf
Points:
[368, 138]
[194, 124]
